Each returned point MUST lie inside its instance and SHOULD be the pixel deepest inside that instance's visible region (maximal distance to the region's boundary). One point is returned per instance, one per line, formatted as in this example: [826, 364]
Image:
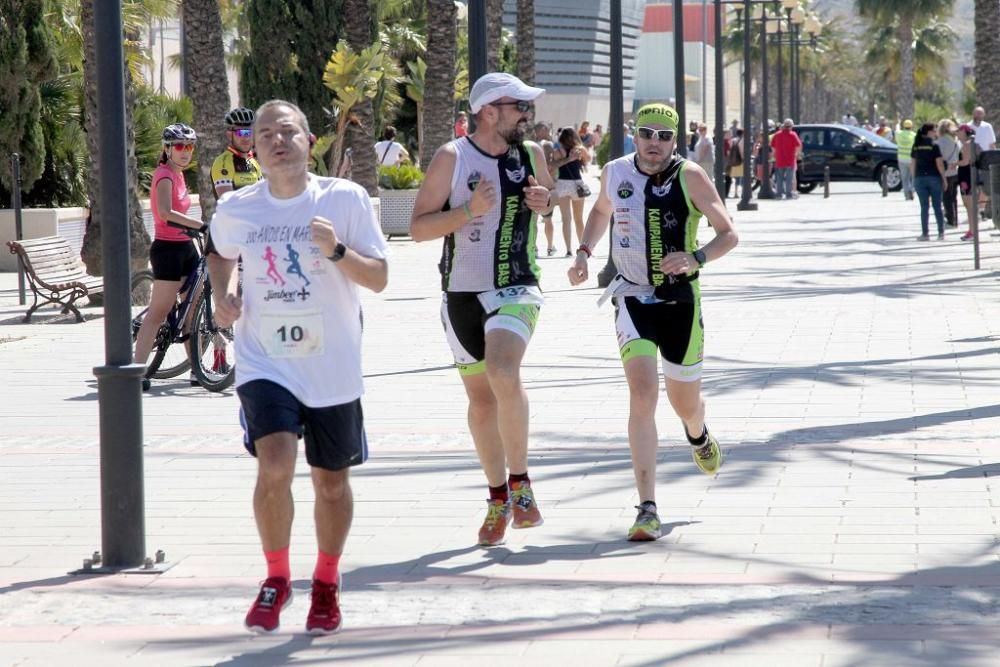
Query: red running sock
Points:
[326, 567]
[513, 479]
[499, 493]
[277, 564]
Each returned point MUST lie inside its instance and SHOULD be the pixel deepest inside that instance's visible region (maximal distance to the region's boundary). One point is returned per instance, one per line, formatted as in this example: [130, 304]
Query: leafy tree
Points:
[353, 78]
[526, 41]
[290, 43]
[361, 36]
[26, 62]
[904, 14]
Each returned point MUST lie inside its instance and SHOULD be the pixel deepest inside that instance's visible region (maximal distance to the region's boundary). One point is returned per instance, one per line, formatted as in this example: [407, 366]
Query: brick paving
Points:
[851, 375]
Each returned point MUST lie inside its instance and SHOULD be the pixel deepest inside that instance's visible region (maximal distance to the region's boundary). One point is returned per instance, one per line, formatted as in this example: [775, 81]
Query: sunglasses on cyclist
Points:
[522, 105]
[649, 133]
[242, 132]
[187, 148]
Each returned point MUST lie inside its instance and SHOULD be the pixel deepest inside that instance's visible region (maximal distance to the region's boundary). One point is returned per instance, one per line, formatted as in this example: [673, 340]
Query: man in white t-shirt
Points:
[389, 151]
[306, 244]
[986, 138]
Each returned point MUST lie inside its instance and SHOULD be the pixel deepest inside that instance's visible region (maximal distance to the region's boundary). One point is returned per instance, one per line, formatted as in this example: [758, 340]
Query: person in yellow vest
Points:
[236, 167]
[905, 139]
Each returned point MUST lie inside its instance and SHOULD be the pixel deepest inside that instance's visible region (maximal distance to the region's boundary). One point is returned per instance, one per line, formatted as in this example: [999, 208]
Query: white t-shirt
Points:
[301, 321]
[985, 136]
[388, 152]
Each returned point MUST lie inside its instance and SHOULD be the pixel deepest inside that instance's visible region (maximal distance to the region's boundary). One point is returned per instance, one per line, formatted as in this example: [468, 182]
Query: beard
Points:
[516, 134]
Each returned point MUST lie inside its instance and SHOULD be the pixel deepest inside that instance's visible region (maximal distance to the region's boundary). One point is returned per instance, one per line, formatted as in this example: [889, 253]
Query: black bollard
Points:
[826, 182]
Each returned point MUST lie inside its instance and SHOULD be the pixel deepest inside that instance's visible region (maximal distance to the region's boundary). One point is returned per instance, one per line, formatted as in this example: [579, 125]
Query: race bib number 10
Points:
[292, 334]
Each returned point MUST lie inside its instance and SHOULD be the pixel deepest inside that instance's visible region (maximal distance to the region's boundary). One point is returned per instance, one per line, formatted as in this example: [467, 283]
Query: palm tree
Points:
[353, 77]
[931, 44]
[208, 83]
[526, 40]
[987, 47]
[415, 87]
[439, 79]
[360, 28]
[494, 34]
[904, 14]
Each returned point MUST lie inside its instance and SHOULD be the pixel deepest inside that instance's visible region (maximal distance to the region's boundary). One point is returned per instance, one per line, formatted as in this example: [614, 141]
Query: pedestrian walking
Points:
[736, 163]
[299, 350]
[481, 195]
[928, 179]
[629, 140]
[905, 139]
[966, 138]
[461, 125]
[571, 159]
[657, 200]
[786, 146]
[951, 151]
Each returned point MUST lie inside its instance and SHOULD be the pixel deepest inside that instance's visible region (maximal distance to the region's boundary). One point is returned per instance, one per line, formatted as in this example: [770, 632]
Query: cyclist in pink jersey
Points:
[172, 254]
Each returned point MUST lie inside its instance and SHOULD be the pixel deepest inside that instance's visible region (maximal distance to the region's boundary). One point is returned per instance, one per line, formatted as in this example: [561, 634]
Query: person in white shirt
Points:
[986, 138]
[390, 152]
[306, 243]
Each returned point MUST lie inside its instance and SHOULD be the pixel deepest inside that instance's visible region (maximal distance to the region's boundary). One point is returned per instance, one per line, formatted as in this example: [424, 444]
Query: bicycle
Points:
[212, 347]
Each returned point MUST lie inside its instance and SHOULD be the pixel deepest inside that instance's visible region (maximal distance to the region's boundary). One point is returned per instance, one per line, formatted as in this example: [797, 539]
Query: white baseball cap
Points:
[497, 85]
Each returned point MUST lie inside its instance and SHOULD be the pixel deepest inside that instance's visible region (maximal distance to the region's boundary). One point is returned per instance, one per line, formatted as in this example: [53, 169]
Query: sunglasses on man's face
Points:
[187, 148]
[649, 133]
[243, 132]
[522, 105]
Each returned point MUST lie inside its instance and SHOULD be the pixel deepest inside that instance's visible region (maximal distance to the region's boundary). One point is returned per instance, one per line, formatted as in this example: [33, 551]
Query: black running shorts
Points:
[334, 435]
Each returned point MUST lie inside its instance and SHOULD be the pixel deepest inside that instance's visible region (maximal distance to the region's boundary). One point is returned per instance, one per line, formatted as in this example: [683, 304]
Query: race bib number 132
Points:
[507, 296]
[292, 334]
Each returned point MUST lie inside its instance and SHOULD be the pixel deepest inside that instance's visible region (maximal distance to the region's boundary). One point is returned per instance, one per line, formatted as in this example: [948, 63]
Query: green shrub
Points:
[403, 177]
[604, 150]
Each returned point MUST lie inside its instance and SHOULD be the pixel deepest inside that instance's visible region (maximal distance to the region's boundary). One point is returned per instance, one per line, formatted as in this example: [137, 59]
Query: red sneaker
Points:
[275, 594]
[494, 528]
[324, 613]
[525, 509]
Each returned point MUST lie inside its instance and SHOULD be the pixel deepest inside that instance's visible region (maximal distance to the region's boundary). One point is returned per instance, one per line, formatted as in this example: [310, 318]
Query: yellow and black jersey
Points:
[233, 170]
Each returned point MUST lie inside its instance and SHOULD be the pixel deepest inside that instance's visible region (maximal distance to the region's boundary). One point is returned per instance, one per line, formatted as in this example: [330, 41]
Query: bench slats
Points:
[55, 273]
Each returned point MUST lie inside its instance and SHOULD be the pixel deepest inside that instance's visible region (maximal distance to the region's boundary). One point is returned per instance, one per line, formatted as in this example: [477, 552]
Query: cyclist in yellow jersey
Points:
[237, 167]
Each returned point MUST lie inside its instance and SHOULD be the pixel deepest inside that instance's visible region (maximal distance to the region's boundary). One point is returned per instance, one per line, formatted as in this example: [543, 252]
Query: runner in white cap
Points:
[482, 194]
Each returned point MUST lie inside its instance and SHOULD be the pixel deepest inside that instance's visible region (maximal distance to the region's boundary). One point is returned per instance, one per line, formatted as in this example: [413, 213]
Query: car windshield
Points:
[871, 137]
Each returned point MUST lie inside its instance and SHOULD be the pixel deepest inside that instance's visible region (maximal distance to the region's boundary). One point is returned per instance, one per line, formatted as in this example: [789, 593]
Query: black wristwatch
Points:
[338, 252]
[699, 256]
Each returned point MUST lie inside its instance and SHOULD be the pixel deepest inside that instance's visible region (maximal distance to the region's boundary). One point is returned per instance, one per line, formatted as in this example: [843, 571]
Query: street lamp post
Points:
[781, 82]
[720, 104]
[765, 167]
[746, 191]
[679, 88]
[477, 39]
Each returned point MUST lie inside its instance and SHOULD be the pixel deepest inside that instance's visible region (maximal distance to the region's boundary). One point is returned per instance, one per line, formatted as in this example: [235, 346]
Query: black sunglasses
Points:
[649, 133]
[522, 105]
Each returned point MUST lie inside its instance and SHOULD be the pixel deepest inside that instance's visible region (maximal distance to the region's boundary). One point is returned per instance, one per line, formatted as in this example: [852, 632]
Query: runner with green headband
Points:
[657, 200]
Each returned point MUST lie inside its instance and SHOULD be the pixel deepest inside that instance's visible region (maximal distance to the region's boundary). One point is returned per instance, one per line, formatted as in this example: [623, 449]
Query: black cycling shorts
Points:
[172, 260]
[335, 435]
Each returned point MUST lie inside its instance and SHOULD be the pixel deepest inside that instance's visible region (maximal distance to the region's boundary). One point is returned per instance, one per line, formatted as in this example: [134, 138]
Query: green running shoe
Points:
[708, 457]
[647, 524]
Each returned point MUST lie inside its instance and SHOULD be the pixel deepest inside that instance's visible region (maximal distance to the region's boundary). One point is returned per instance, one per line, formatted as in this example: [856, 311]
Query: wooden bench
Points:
[55, 273]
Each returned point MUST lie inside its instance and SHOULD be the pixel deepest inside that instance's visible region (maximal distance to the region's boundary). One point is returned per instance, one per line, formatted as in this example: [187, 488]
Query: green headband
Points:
[660, 114]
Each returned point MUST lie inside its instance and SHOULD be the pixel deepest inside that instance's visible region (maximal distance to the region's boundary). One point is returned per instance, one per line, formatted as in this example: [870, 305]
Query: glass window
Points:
[841, 140]
[814, 137]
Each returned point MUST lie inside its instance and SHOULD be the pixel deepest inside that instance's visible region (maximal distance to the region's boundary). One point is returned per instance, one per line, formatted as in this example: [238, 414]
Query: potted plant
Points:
[398, 187]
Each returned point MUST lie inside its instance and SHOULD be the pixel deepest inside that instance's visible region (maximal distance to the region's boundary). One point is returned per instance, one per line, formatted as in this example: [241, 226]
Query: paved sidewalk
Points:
[851, 375]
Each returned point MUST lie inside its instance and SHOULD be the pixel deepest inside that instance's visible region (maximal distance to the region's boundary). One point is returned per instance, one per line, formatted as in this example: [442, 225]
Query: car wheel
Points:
[893, 179]
[806, 188]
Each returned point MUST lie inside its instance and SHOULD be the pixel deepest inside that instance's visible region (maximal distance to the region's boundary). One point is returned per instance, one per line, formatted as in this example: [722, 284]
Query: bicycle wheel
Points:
[211, 348]
[167, 360]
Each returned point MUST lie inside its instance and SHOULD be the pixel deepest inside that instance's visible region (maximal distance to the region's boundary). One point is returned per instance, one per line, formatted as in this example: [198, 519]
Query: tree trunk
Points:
[205, 59]
[494, 30]
[987, 64]
[138, 237]
[906, 85]
[526, 41]
[439, 79]
[361, 127]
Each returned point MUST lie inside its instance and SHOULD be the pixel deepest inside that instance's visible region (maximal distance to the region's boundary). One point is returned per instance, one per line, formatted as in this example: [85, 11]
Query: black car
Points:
[852, 153]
